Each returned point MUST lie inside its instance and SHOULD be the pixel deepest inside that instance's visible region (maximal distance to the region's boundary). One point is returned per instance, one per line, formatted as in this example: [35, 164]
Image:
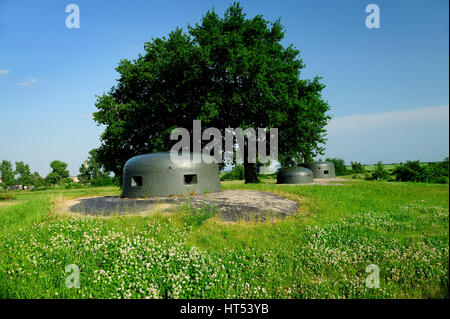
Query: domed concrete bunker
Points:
[295, 175]
[322, 169]
[157, 175]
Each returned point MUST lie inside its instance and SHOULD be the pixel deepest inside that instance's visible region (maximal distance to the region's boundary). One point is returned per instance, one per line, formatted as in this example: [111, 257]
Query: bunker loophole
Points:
[136, 181]
[190, 179]
[325, 172]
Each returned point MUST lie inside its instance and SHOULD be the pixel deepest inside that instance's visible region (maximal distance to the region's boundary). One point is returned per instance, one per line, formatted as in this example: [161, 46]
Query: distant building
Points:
[74, 178]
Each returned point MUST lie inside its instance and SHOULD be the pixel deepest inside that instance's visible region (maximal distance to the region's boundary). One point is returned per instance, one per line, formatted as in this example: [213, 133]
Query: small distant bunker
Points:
[295, 175]
[157, 175]
[322, 169]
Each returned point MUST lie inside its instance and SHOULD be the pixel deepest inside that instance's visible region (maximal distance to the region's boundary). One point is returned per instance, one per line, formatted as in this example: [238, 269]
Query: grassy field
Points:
[322, 252]
[370, 168]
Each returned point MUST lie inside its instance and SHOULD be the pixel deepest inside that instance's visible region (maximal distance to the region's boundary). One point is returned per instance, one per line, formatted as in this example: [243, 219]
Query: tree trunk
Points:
[250, 169]
[250, 172]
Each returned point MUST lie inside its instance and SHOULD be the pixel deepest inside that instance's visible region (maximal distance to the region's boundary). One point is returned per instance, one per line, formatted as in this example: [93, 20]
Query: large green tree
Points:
[7, 174]
[227, 71]
[25, 177]
[58, 173]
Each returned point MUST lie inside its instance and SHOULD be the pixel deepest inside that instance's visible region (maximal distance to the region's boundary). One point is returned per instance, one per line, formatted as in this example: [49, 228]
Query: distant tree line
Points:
[415, 171]
[411, 171]
[91, 173]
[22, 175]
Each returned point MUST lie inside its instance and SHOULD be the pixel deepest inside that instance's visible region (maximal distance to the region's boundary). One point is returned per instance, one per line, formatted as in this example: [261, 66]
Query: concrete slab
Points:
[230, 205]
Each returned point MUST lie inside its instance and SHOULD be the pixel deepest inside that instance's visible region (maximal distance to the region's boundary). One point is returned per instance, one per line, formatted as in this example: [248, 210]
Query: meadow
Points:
[370, 168]
[321, 252]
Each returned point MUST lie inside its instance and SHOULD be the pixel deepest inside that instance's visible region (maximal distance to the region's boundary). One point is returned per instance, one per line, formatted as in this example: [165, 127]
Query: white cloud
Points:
[28, 82]
[4, 72]
[367, 122]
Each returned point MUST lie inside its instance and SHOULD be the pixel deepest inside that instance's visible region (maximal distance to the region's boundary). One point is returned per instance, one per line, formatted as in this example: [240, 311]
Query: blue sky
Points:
[387, 87]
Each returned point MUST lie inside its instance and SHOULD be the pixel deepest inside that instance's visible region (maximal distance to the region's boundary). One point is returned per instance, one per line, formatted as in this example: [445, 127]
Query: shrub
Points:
[379, 174]
[439, 180]
[438, 172]
[414, 171]
[6, 196]
[52, 178]
[339, 166]
[197, 216]
[67, 183]
[357, 168]
[41, 188]
[237, 173]
[102, 181]
[269, 176]
[117, 181]
[71, 185]
[411, 171]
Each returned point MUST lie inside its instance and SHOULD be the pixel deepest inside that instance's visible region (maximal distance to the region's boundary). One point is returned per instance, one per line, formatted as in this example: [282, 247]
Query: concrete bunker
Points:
[322, 169]
[295, 175]
[157, 175]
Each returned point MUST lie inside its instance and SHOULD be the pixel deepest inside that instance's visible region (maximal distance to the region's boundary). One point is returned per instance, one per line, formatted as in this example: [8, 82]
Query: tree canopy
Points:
[227, 71]
[92, 169]
[7, 174]
[25, 177]
[59, 172]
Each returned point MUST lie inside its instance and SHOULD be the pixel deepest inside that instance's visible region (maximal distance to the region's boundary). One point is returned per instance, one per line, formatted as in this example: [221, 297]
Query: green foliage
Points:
[117, 181]
[380, 173]
[196, 217]
[58, 173]
[270, 176]
[339, 166]
[84, 176]
[102, 181]
[236, 173]
[52, 178]
[6, 196]
[25, 177]
[7, 174]
[414, 171]
[228, 71]
[357, 168]
[38, 180]
[60, 168]
[438, 172]
[68, 183]
[92, 171]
